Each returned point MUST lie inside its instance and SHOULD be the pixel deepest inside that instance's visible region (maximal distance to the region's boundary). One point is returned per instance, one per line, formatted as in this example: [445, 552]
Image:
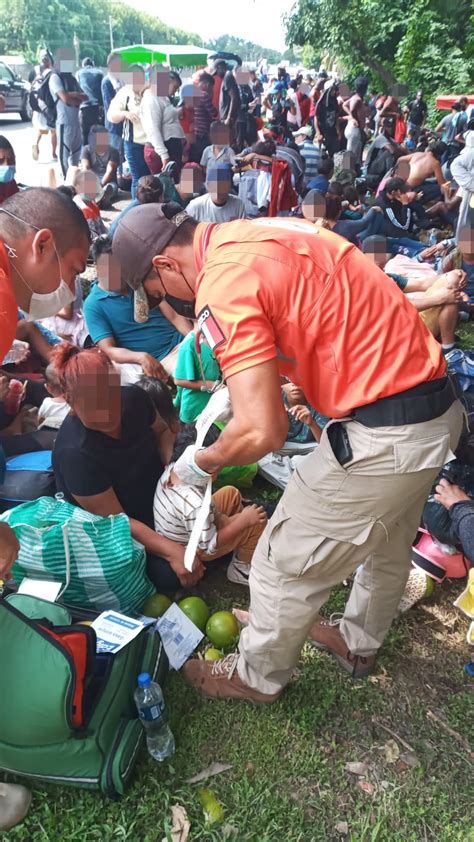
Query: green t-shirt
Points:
[191, 402]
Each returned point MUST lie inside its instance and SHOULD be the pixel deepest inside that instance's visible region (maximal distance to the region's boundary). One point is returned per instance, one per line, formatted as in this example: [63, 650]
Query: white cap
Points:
[306, 130]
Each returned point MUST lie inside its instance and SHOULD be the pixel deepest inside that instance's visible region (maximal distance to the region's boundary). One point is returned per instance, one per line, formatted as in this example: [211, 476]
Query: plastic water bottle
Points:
[433, 239]
[151, 710]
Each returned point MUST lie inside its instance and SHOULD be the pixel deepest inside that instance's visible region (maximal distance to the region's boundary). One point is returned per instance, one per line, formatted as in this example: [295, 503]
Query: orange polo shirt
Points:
[284, 289]
[8, 306]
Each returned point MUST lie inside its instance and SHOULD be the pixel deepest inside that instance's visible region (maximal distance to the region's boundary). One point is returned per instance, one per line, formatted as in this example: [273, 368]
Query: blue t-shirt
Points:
[110, 314]
[320, 182]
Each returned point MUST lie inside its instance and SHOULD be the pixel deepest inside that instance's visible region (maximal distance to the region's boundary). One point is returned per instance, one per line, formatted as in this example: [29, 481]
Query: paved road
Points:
[21, 137]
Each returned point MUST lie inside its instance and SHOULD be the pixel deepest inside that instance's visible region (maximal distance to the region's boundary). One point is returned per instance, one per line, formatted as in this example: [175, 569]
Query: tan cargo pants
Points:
[330, 520]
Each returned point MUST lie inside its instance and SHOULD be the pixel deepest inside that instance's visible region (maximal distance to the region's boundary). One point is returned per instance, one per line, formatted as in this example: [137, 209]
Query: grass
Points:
[288, 781]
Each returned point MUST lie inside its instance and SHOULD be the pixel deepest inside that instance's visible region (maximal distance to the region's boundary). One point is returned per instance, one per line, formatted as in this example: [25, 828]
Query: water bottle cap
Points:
[144, 679]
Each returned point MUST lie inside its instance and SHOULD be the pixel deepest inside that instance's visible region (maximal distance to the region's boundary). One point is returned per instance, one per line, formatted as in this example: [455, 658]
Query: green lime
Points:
[213, 654]
[430, 587]
[156, 605]
[196, 609]
[223, 629]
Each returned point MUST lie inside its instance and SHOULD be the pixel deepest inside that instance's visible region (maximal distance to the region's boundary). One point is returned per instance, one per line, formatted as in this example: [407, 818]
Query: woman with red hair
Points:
[110, 453]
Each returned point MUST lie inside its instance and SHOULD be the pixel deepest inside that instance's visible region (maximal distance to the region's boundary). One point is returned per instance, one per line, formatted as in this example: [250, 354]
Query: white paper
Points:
[42, 588]
[114, 631]
[179, 635]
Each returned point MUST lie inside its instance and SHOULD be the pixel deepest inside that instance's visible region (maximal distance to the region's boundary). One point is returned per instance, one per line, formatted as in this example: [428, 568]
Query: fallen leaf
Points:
[357, 768]
[213, 809]
[210, 772]
[410, 759]
[385, 784]
[342, 828]
[181, 824]
[366, 787]
[391, 751]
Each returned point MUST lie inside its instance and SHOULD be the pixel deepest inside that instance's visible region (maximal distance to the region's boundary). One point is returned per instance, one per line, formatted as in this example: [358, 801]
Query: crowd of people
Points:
[299, 252]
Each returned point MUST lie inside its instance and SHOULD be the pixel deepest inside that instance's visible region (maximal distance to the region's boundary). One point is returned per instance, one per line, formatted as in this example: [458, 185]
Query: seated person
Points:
[352, 207]
[461, 510]
[151, 346]
[18, 432]
[325, 211]
[54, 408]
[399, 218]
[465, 238]
[218, 204]
[220, 151]
[109, 456]
[149, 190]
[100, 157]
[325, 173]
[436, 299]
[229, 527]
[87, 191]
[304, 423]
[195, 376]
[8, 185]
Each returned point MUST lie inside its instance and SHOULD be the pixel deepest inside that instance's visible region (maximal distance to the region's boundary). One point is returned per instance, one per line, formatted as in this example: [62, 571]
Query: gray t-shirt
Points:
[203, 209]
[67, 115]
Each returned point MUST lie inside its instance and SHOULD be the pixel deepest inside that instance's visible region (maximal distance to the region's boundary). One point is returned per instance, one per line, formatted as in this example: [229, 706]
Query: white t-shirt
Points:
[53, 413]
[203, 209]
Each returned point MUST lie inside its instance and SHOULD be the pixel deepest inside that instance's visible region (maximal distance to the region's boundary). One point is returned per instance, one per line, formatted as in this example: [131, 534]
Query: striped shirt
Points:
[312, 157]
[175, 510]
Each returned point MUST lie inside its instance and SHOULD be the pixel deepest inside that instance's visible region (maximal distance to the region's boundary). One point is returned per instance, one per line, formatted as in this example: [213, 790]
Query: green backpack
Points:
[69, 715]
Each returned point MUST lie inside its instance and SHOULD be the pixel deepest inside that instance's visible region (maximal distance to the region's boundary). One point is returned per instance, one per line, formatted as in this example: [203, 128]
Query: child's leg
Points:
[228, 503]
[249, 541]
[228, 500]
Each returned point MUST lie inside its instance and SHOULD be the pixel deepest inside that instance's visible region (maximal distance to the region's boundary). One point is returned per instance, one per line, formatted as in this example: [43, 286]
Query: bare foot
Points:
[448, 494]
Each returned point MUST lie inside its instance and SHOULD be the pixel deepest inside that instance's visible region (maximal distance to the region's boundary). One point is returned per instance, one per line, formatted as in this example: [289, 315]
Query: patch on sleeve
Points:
[210, 328]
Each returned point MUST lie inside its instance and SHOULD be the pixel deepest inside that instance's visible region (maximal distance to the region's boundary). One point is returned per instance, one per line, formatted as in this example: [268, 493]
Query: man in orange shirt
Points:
[44, 243]
[276, 297]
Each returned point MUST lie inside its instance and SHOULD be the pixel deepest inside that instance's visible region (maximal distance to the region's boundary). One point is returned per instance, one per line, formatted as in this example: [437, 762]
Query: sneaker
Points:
[238, 572]
[220, 680]
[326, 635]
[15, 802]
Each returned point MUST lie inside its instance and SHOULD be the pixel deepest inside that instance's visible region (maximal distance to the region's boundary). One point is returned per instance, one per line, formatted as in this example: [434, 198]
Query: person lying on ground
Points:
[461, 510]
[151, 345]
[325, 211]
[109, 456]
[229, 527]
[425, 166]
[437, 301]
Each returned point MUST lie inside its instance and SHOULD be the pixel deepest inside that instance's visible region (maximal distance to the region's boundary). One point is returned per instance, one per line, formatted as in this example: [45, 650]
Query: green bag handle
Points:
[40, 609]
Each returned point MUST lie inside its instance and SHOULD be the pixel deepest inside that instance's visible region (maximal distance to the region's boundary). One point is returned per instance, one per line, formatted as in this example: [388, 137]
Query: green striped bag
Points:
[95, 557]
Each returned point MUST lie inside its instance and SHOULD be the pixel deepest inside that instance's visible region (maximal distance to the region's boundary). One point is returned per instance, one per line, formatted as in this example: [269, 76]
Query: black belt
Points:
[414, 406]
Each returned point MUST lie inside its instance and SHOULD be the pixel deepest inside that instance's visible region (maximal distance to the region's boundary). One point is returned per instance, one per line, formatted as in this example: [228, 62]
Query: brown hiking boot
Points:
[220, 680]
[326, 635]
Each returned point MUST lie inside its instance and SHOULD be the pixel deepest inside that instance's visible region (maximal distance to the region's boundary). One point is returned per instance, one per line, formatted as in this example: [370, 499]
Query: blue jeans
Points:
[374, 224]
[135, 155]
[404, 245]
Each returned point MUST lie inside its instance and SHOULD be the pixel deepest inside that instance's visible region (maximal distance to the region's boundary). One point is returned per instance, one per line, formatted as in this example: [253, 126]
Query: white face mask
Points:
[43, 304]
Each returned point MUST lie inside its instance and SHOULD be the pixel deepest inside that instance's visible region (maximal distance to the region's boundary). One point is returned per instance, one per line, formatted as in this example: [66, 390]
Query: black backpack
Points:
[40, 96]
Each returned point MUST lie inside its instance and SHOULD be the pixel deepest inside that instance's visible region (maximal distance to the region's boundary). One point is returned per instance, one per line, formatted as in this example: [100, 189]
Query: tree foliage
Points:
[413, 42]
[249, 51]
[29, 24]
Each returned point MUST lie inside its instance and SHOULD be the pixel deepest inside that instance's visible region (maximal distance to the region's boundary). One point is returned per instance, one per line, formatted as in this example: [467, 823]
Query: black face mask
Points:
[180, 306]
